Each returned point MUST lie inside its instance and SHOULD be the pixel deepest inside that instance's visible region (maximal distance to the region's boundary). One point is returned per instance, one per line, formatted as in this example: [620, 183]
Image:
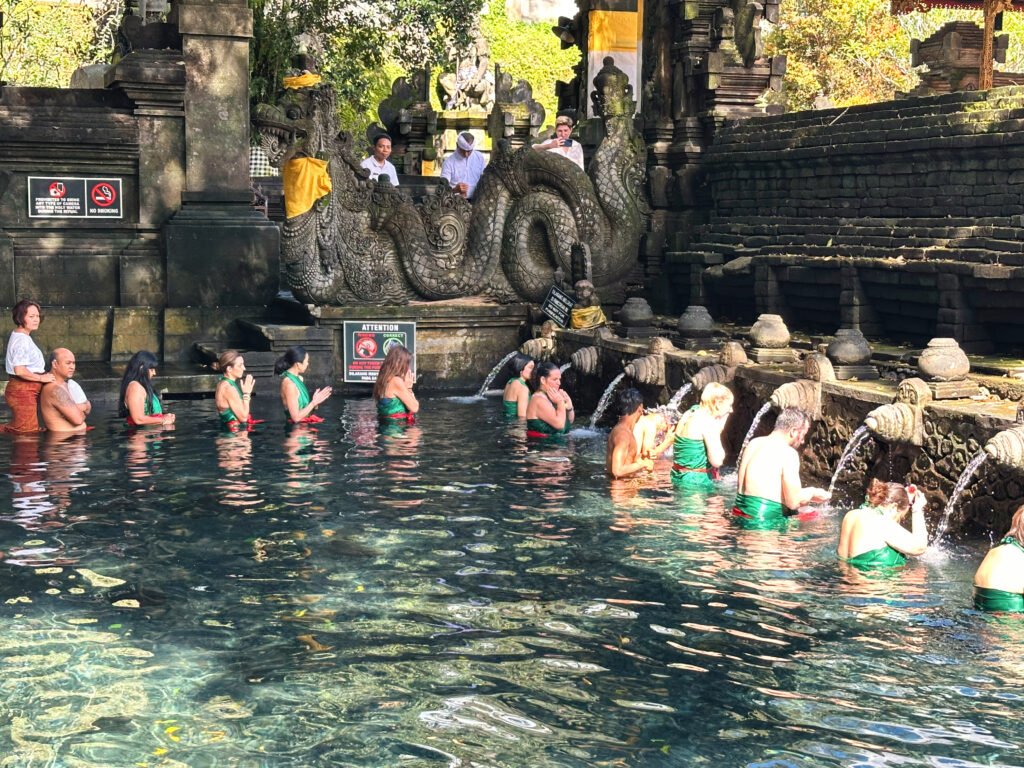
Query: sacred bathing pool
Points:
[446, 592]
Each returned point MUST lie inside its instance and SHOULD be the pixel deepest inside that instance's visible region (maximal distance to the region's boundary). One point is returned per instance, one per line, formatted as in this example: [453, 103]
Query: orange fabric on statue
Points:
[305, 181]
[23, 398]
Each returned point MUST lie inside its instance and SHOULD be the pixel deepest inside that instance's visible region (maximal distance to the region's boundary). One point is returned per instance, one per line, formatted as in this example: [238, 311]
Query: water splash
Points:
[494, 372]
[753, 428]
[564, 368]
[961, 485]
[677, 398]
[857, 439]
[605, 401]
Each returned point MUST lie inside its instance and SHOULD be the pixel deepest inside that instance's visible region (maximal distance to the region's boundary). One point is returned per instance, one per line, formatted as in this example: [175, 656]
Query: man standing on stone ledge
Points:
[61, 413]
[464, 167]
[377, 163]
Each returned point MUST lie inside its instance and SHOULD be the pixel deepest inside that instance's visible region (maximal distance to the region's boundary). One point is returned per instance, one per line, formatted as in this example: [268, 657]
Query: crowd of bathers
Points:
[769, 488]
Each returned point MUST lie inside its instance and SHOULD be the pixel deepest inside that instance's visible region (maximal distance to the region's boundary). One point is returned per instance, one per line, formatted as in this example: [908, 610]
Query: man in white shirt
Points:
[377, 163]
[464, 167]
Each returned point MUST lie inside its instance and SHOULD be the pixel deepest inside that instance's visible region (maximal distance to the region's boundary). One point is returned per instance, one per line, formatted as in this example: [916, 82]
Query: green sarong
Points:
[391, 408]
[690, 465]
[883, 557]
[300, 385]
[540, 428]
[760, 514]
[998, 600]
[228, 416]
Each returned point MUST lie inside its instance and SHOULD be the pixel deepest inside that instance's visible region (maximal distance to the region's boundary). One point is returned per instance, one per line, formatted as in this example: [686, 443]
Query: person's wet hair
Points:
[882, 494]
[629, 400]
[791, 418]
[226, 360]
[716, 398]
[519, 362]
[396, 363]
[138, 368]
[1017, 525]
[291, 356]
[542, 371]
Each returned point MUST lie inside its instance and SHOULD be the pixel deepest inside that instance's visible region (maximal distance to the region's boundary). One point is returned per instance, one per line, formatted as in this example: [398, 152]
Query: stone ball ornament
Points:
[943, 360]
[770, 332]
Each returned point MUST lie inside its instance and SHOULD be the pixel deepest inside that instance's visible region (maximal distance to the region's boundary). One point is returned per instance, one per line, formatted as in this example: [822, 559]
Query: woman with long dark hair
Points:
[872, 536]
[298, 403]
[26, 368]
[550, 411]
[516, 396]
[393, 389]
[999, 582]
[139, 403]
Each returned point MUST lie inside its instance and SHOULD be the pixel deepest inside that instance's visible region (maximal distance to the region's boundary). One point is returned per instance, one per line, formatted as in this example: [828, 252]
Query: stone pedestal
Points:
[764, 355]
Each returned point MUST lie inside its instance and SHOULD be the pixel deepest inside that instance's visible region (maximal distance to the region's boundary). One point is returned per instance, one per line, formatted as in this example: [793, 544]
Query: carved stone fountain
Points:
[650, 369]
[543, 346]
[730, 357]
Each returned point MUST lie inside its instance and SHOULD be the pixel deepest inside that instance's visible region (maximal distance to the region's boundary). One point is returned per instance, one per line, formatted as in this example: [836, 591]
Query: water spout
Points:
[897, 423]
[802, 394]
[678, 397]
[649, 369]
[722, 374]
[494, 372]
[753, 428]
[860, 435]
[961, 485]
[586, 361]
[606, 399]
[1007, 449]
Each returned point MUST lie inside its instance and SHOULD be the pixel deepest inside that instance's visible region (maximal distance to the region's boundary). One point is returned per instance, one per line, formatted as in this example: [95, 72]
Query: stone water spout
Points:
[650, 369]
[897, 423]
[543, 347]
[802, 394]
[1007, 449]
[730, 357]
[586, 361]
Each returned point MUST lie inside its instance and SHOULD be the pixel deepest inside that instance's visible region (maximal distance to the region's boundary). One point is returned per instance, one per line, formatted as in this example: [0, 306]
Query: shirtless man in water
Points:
[60, 412]
[768, 480]
[622, 449]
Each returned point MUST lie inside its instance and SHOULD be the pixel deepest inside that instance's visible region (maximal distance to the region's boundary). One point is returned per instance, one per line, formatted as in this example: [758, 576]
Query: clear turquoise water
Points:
[449, 595]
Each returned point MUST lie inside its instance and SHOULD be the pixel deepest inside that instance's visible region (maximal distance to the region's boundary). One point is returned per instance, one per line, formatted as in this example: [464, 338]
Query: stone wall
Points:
[902, 219]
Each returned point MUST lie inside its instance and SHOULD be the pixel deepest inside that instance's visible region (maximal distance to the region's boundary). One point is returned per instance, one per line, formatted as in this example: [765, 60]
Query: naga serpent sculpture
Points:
[367, 243]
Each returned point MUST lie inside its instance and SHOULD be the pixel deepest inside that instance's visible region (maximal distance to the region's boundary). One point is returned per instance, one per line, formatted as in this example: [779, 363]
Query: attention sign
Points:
[368, 342]
[74, 198]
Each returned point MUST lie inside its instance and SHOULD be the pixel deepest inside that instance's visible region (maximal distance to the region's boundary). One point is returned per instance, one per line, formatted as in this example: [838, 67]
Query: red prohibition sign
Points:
[104, 195]
[57, 189]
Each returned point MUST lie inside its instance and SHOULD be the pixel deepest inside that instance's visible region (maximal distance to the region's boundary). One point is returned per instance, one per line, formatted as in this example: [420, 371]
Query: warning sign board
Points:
[368, 342]
[73, 198]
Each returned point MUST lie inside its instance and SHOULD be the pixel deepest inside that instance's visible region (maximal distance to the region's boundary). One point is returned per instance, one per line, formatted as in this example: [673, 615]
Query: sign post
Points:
[74, 198]
[367, 342]
[558, 306]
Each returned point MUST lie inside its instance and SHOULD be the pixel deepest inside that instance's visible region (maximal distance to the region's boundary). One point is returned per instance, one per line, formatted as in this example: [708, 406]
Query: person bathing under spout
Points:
[623, 460]
[768, 480]
[999, 582]
[873, 536]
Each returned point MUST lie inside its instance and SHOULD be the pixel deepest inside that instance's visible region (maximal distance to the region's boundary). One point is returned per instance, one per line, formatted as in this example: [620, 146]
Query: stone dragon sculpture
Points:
[367, 243]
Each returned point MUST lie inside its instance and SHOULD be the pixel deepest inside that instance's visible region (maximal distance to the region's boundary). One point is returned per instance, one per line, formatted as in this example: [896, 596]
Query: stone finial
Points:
[943, 360]
[802, 394]
[770, 332]
[613, 95]
[586, 361]
[818, 367]
[696, 323]
[897, 423]
[1007, 448]
[732, 354]
[849, 347]
[636, 313]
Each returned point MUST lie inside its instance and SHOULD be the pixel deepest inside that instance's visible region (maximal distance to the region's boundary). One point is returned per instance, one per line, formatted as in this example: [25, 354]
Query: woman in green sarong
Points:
[697, 451]
[550, 411]
[516, 396]
[872, 536]
[393, 389]
[999, 582]
[234, 391]
[298, 403]
[139, 404]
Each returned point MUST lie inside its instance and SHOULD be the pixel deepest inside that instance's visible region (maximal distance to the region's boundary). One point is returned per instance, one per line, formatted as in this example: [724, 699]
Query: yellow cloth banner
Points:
[307, 80]
[587, 317]
[305, 180]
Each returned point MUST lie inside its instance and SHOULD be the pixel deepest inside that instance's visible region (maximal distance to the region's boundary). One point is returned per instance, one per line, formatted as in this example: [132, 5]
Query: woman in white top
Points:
[562, 144]
[25, 368]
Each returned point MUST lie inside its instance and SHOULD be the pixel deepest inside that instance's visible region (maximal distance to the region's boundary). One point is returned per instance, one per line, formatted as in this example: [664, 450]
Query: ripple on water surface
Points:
[451, 593]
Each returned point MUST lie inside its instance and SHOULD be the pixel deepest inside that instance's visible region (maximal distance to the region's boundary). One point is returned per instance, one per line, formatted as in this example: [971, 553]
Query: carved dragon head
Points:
[301, 122]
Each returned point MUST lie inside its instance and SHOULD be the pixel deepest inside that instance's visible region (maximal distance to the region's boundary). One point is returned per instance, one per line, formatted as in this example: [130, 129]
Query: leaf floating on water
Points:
[128, 603]
[98, 580]
[19, 599]
[54, 569]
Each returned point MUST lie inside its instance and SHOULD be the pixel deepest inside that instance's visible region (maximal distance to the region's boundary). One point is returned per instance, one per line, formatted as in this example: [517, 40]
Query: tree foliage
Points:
[354, 39]
[44, 42]
[856, 52]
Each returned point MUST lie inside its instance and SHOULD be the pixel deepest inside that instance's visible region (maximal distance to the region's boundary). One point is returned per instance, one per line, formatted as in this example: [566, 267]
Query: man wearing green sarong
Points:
[768, 480]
